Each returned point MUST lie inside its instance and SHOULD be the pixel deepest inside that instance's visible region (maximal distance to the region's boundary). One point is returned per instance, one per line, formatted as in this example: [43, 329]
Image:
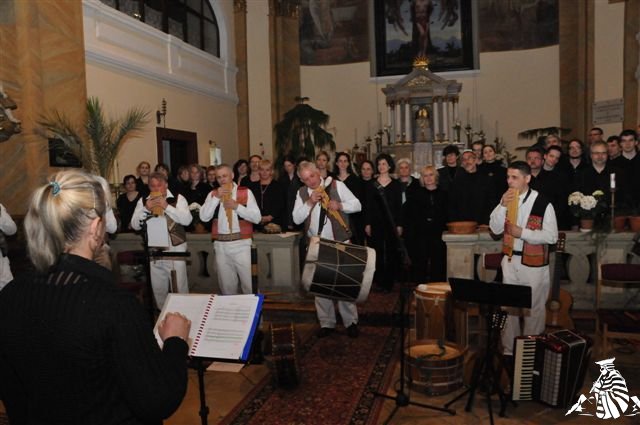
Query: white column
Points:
[456, 114]
[407, 120]
[392, 122]
[447, 119]
[398, 122]
[436, 120]
[389, 115]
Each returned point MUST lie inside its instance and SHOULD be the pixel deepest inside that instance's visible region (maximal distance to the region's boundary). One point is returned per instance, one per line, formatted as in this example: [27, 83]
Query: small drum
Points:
[338, 270]
[434, 312]
[434, 369]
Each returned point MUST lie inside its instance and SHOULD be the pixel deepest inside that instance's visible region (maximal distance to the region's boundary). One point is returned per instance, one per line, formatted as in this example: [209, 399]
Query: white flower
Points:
[575, 198]
[588, 203]
[195, 206]
[597, 193]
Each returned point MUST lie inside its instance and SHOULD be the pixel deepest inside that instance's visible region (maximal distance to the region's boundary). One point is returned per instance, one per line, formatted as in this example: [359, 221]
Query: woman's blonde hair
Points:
[429, 168]
[59, 214]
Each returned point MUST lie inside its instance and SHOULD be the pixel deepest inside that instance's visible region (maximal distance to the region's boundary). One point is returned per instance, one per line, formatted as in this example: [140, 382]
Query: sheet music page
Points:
[191, 305]
[158, 232]
[228, 326]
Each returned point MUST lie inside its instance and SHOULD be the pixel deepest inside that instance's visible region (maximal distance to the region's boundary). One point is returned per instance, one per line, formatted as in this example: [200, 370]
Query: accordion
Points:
[550, 368]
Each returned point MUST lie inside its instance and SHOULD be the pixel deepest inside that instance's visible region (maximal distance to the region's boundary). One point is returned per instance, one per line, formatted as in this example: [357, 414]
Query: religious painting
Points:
[334, 32]
[441, 30]
[517, 24]
[61, 156]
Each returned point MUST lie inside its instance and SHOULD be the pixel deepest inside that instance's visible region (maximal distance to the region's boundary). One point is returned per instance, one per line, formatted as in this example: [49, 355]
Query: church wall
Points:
[259, 73]
[609, 52]
[210, 118]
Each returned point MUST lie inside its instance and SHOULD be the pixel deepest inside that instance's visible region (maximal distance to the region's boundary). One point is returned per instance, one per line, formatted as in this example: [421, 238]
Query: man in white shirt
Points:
[7, 227]
[175, 209]
[231, 231]
[534, 230]
[307, 209]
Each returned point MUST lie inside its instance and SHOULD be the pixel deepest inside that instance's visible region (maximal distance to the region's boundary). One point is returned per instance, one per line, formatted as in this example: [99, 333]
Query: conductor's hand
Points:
[230, 204]
[507, 197]
[513, 229]
[335, 205]
[174, 324]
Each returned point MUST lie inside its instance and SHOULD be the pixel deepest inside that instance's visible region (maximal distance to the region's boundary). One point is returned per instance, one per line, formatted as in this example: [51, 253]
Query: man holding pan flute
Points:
[235, 209]
[529, 224]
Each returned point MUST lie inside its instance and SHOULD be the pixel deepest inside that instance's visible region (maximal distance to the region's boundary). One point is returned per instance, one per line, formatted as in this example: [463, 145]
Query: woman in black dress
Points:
[127, 202]
[142, 182]
[382, 218]
[496, 172]
[344, 173]
[424, 218]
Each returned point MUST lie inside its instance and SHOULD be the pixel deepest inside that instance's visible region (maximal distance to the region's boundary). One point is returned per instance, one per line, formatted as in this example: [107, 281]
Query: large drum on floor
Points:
[438, 315]
[337, 270]
[435, 369]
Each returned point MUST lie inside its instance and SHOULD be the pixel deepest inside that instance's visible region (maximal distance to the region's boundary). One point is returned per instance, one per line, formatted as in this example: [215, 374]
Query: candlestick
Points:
[379, 120]
[468, 116]
[613, 180]
[496, 128]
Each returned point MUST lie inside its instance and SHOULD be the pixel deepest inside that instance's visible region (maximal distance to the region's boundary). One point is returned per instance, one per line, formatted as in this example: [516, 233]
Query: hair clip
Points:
[56, 188]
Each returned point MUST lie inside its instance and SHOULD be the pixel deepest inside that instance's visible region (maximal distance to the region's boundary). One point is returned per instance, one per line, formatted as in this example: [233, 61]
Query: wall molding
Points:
[120, 42]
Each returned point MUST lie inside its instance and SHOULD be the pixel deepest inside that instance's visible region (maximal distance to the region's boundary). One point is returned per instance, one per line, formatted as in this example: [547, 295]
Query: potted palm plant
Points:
[95, 142]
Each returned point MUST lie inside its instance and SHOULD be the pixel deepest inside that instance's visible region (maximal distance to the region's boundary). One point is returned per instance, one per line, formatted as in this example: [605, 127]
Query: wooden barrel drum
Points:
[435, 370]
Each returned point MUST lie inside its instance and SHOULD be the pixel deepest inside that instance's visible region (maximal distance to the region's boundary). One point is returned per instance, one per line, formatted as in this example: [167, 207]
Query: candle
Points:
[613, 180]
[368, 128]
[379, 120]
[468, 116]
[496, 129]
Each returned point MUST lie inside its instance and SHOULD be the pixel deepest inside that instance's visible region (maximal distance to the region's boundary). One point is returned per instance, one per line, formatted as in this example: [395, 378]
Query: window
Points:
[192, 21]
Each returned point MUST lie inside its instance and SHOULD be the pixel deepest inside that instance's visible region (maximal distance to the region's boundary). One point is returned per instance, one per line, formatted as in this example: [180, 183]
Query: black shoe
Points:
[324, 332]
[352, 331]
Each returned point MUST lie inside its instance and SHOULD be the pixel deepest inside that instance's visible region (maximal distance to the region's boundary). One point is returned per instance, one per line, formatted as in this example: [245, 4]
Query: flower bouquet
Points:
[587, 207]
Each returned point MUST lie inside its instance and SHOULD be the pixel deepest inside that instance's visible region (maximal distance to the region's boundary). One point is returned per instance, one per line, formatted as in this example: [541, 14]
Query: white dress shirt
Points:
[250, 212]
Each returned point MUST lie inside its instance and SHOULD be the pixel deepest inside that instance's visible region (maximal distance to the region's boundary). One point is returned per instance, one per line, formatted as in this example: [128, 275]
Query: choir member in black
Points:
[142, 182]
[183, 177]
[471, 193]
[174, 185]
[557, 186]
[269, 195]
[367, 171]
[629, 163]
[210, 174]
[597, 176]
[405, 178]
[290, 183]
[614, 150]
[563, 166]
[448, 173]
[495, 171]
[240, 170]
[477, 148]
[322, 164]
[535, 158]
[344, 172]
[577, 158]
[197, 190]
[424, 217]
[254, 172]
[127, 201]
[384, 204]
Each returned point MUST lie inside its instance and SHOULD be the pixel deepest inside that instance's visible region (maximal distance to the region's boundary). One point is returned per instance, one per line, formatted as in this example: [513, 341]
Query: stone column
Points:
[285, 57]
[392, 122]
[407, 120]
[446, 117]
[389, 115]
[242, 80]
[436, 119]
[398, 122]
[456, 116]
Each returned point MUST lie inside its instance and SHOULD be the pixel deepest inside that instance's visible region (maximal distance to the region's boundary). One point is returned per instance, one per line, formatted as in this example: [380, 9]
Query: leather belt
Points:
[229, 237]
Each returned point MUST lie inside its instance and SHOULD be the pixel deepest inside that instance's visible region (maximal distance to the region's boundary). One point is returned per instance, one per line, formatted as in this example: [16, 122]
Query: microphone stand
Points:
[402, 399]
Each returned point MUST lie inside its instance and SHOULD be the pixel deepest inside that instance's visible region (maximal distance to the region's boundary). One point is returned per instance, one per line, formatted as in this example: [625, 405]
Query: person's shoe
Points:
[324, 332]
[352, 331]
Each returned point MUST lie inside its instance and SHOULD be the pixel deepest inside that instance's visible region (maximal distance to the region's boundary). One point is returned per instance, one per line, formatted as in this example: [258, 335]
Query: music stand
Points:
[491, 297]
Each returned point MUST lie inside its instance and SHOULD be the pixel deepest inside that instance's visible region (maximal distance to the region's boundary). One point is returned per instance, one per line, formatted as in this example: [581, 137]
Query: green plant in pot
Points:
[97, 141]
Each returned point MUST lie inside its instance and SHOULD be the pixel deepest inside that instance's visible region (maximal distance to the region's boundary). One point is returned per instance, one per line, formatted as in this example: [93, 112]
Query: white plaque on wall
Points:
[607, 111]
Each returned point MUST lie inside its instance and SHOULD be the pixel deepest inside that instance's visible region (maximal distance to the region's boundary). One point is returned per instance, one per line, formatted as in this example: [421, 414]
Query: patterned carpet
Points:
[338, 375]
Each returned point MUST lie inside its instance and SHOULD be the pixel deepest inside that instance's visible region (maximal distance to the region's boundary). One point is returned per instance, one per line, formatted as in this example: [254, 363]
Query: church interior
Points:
[409, 78]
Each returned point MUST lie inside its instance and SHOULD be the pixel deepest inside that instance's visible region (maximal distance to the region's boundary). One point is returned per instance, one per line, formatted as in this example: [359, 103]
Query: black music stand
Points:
[491, 297]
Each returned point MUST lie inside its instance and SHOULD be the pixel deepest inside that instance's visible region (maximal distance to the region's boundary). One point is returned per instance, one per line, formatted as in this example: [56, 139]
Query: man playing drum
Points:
[529, 233]
[329, 223]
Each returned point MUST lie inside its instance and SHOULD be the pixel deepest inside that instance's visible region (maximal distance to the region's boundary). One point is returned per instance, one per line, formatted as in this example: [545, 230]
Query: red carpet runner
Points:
[338, 376]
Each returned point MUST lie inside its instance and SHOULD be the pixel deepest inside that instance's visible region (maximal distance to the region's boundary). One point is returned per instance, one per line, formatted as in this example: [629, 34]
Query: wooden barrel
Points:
[435, 370]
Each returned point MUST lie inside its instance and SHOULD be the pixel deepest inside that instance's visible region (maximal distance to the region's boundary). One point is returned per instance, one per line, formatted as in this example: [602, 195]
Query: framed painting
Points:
[61, 156]
[441, 30]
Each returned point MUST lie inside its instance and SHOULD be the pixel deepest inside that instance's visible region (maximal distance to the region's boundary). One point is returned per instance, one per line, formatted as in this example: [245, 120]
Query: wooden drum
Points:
[435, 370]
[433, 311]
